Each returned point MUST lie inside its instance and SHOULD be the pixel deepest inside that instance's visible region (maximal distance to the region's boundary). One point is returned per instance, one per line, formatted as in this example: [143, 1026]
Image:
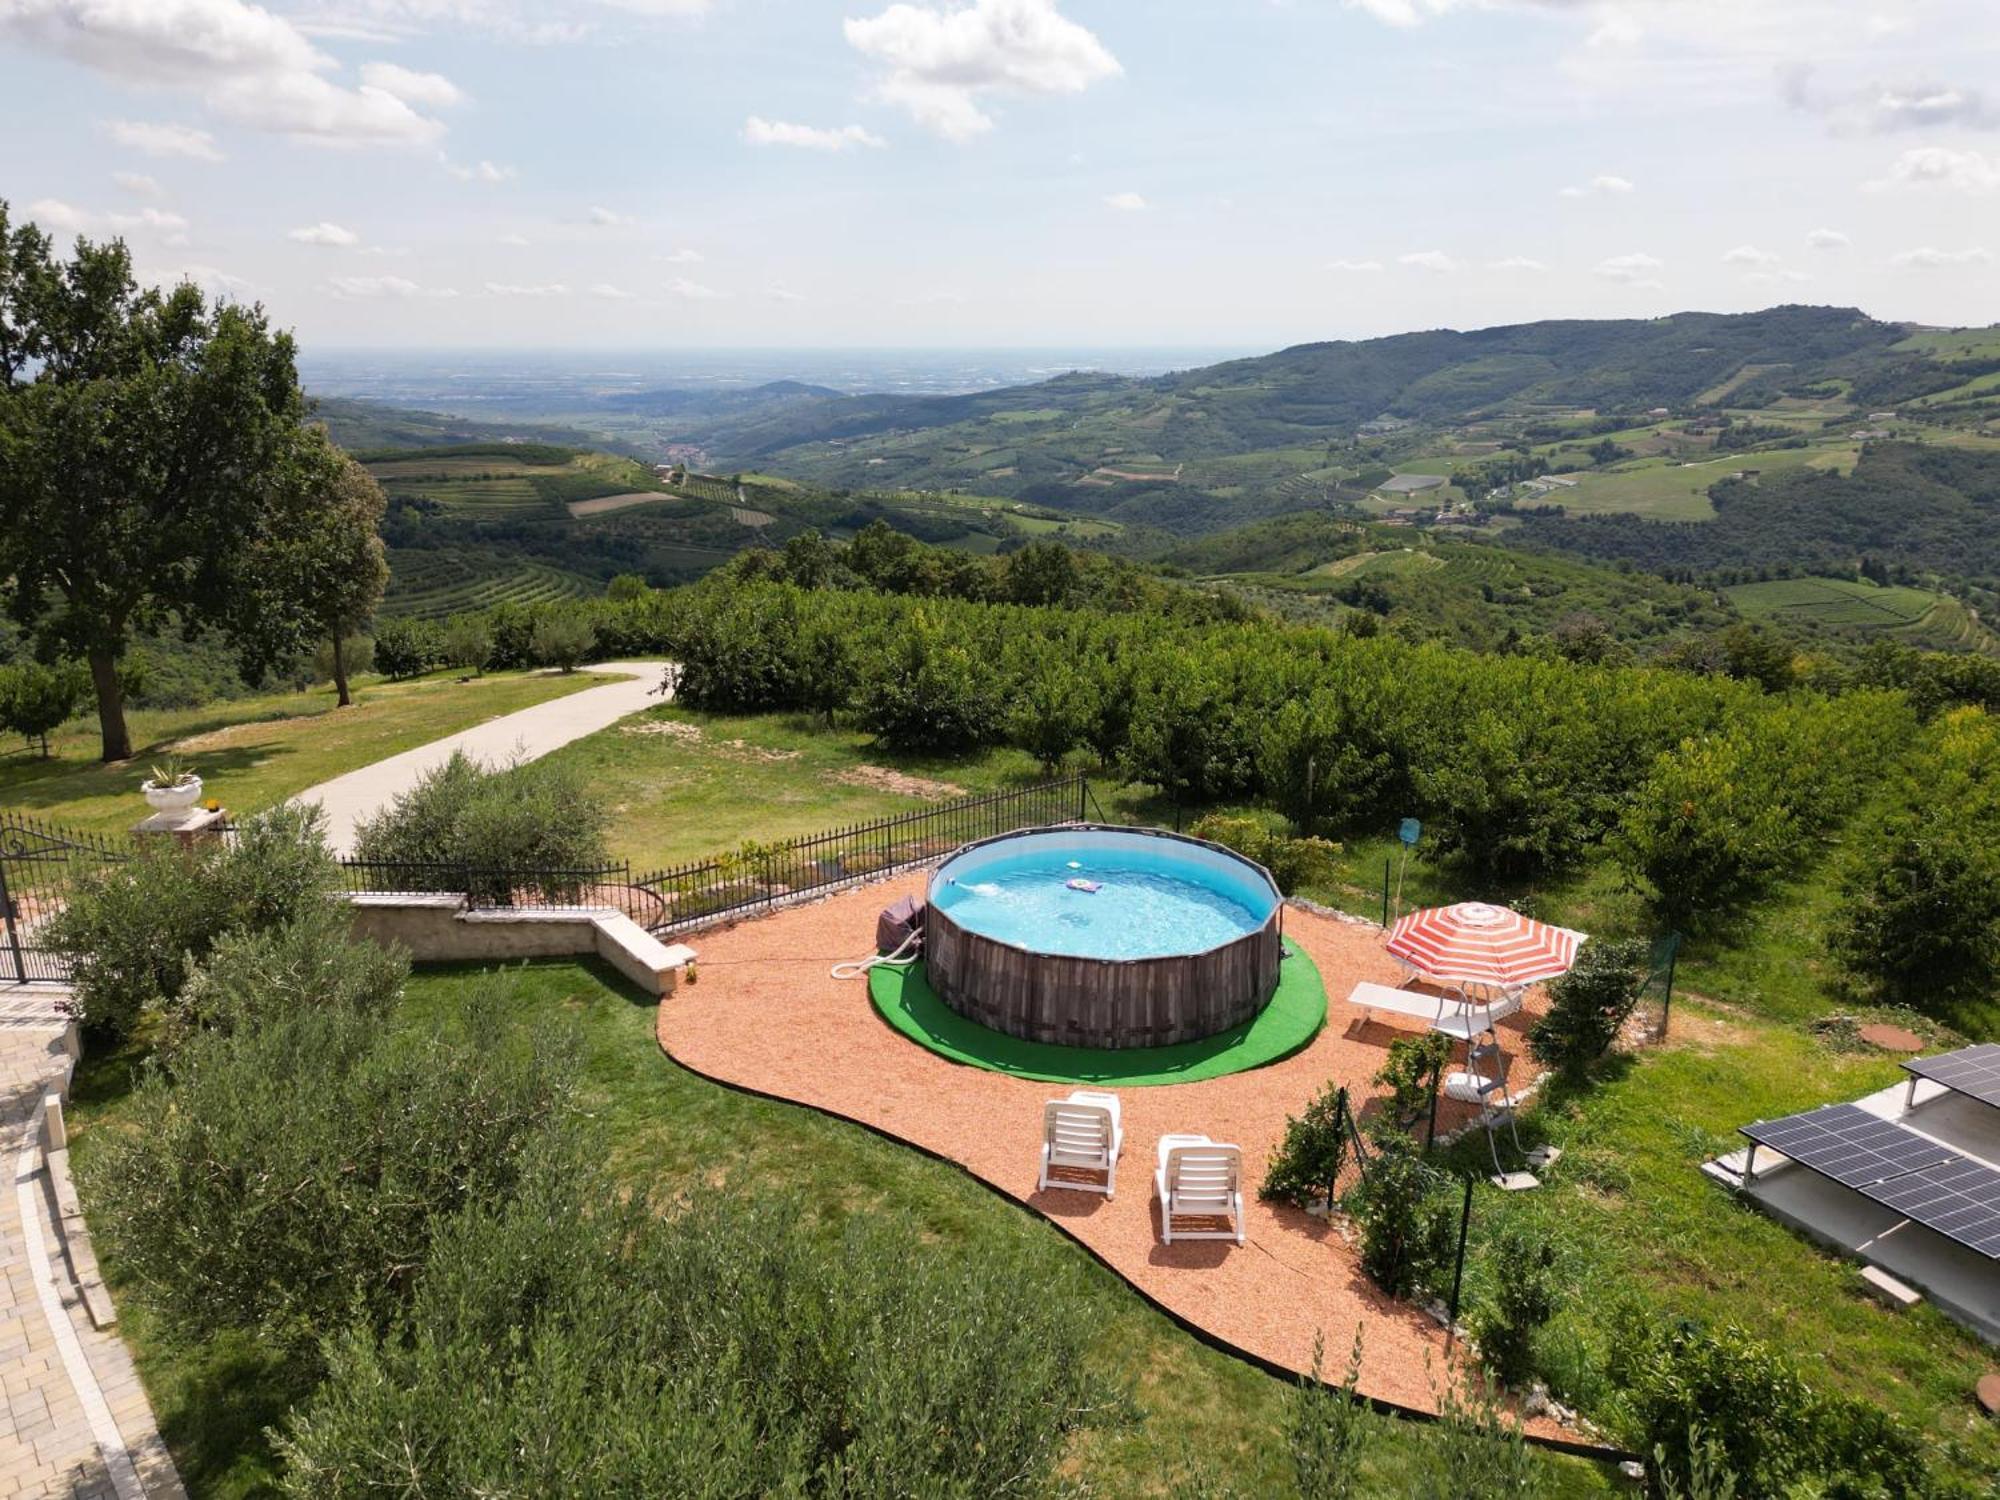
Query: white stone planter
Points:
[172, 798]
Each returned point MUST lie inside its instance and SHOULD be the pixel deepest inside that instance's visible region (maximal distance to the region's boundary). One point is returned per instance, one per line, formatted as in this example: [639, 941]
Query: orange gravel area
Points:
[765, 1015]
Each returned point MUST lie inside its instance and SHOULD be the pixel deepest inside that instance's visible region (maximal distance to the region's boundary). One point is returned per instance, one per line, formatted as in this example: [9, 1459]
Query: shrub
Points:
[1408, 1232]
[1293, 862]
[1478, 1452]
[930, 695]
[1527, 1291]
[467, 643]
[36, 699]
[1307, 1164]
[1588, 1005]
[310, 963]
[463, 818]
[132, 930]
[1411, 1071]
[1052, 713]
[406, 647]
[625, 588]
[1771, 1429]
[1328, 1431]
[284, 1177]
[563, 639]
[357, 655]
[571, 1344]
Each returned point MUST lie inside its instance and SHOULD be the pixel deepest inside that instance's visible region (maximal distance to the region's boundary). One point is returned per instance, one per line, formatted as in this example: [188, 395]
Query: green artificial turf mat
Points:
[1296, 1012]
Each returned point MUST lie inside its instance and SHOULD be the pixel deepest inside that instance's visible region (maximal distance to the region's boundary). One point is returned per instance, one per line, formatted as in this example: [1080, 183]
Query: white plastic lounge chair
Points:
[1199, 1179]
[1084, 1133]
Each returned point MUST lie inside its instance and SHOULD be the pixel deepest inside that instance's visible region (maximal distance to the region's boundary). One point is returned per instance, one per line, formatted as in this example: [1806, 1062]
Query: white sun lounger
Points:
[1447, 1013]
[1199, 1179]
[1083, 1133]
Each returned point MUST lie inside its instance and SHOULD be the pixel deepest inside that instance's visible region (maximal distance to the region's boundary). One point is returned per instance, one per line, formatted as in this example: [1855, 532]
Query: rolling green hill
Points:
[1856, 609]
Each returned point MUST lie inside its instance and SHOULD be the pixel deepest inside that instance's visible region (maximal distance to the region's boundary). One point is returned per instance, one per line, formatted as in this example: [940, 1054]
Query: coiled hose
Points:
[906, 953]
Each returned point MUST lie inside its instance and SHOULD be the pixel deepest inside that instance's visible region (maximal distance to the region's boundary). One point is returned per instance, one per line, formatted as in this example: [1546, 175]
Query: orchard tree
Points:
[324, 560]
[36, 699]
[151, 447]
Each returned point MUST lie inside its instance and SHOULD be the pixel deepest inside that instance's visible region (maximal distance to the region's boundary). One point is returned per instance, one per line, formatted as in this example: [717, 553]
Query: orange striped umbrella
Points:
[1474, 943]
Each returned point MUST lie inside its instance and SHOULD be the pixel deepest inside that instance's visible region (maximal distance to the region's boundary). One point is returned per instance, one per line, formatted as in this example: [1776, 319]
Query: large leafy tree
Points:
[152, 451]
[324, 562]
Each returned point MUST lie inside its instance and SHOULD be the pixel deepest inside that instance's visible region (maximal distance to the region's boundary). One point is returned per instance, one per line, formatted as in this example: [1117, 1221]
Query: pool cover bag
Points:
[894, 926]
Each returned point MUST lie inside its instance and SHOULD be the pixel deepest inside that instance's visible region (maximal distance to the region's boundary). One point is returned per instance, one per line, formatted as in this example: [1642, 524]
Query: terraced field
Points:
[1916, 617]
[476, 499]
[1670, 490]
[433, 582]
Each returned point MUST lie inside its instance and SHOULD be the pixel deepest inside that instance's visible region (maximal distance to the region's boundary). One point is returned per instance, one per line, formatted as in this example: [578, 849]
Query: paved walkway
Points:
[74, 1420]
[528, 735]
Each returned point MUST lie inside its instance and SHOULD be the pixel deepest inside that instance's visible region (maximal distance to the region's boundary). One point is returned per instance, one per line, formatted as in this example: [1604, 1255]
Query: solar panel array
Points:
[1918, 1178]
[1972, 1071]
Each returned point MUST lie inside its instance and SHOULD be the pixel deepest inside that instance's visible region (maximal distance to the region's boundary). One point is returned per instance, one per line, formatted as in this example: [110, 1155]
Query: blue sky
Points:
[709, 173]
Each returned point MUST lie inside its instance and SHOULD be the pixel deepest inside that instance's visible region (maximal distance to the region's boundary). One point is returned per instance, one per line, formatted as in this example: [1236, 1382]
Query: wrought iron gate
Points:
[39, 866]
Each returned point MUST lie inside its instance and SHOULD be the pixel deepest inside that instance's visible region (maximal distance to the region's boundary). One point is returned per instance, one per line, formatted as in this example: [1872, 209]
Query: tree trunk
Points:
[116, 738]
[340, 671]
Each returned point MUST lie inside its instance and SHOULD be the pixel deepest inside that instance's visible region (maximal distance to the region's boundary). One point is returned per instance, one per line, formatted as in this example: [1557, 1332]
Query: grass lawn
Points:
[682, 785]
[1194, 1416]
[1670, 490]
[1640, 1224]
[255, 752]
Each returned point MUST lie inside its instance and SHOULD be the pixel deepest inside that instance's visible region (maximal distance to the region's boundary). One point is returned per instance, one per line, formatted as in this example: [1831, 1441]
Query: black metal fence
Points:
[491, 887]
[39, 865]
[763, 875]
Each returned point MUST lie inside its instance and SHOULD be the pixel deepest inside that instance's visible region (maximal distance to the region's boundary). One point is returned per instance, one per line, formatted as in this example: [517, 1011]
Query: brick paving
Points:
[74, 1420]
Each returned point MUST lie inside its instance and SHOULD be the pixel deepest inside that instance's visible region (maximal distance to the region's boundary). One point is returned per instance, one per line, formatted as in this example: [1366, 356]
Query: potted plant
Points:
[172, 787]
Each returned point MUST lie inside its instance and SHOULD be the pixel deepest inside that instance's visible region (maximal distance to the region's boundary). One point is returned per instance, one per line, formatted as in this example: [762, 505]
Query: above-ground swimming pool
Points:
[1103, 937]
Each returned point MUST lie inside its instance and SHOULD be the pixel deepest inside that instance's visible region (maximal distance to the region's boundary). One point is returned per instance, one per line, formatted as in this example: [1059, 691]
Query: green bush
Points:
[1411, 1071]
[563, 639]
[1052, 713]
[1293, 862]
[310, 963]
[931, 694]
[1478, 1452]
[282, 1178]
[1526, 1293]
[1772, 1429]
[35, 699]
[1307, 1164]
[462, 818]
[1589, 1004]
[467, 643]
[1409, 1232]
[357, 655]
[132, 930]
[406, 647]
[1328, 1431]
[574, 1344]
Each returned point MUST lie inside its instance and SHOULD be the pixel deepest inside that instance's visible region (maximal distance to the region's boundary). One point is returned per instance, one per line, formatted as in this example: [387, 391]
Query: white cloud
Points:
[938, 62]
[1883, 109]
[67, 218]
[759, 131]
[484, 171]
[324, 233]
[374, 286]
[217, 283]
[1827, 239]
[245, 63]
[1939, 166]
[1751, 256]
[1126, 203]
[158, 139]
[1605, 184]
[608, 218]
[694, 291]
[610, 293]
[513, 289]
[515, 239]
[1516, 263]
[1354, 265]
[138, 184]
[425, 90]
[53, 213]
[681, 257]
[1637, 269]
[1434, 261]
[782, 293]
[1929, 259]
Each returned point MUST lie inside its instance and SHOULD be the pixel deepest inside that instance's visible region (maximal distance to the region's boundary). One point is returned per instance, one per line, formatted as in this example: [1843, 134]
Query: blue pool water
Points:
[1150, 902]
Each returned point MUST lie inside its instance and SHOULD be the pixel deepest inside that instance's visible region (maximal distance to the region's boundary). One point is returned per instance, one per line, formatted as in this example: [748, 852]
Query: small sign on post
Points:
[1407, 835]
